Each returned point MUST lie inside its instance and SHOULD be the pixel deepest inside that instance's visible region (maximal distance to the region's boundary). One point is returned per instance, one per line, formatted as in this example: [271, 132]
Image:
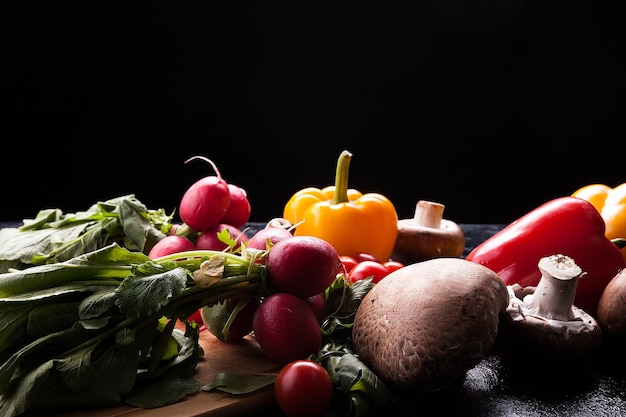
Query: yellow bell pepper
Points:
[611, 203]
[346, 218]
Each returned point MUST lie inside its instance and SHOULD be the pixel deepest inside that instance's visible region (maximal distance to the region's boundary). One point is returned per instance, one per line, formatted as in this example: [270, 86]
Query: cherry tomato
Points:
[303, 388]
[362, 256]
[366, 269]
[393, 265]
[348, 262]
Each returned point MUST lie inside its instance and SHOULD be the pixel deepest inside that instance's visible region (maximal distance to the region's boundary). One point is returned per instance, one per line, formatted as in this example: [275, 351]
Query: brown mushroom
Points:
[425, 325]
[427, 235]
[542, 323]
[611, 313]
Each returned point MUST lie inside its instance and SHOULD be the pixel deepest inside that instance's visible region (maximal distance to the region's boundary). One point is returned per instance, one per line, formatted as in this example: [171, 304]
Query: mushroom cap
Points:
[424, 326]
[545, 341]
[548, 342]
[416, 243]
[612, 308]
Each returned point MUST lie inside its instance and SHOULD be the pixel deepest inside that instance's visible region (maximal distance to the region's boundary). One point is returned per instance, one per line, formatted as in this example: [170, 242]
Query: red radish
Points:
[286, 328]
[171, 244]
[239, 209]
[317, 303]
[272, 234]
[209, 239]
[302, 265]
[197, 317]
[206, 201]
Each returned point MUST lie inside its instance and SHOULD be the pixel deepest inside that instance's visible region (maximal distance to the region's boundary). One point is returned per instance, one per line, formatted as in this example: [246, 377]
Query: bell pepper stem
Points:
[341, 178]
[619, 242]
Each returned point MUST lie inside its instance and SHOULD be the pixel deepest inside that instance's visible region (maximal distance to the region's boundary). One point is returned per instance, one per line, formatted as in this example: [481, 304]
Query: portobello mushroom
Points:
[422, 327]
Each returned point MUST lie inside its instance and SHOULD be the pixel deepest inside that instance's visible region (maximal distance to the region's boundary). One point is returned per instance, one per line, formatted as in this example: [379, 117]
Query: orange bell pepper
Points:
[611, 203]
[346, 218]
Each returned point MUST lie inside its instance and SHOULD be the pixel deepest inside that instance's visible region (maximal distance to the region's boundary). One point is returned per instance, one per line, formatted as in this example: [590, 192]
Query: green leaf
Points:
[350, 374]
[82, 379]
[29, 355]
[21, 246]
[141, 226]
[97, 304]
[239, 383]
[12, 319]
[35, 311]
[110, 262]
[16, 404]
[142, 296]
[45, 319]
[173, 379]
[164, 391]
[218, 317]
[343, 299]
[53, 236]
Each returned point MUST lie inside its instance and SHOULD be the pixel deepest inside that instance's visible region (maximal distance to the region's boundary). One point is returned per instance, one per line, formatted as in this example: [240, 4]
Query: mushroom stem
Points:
[554, 296]
[428, 214]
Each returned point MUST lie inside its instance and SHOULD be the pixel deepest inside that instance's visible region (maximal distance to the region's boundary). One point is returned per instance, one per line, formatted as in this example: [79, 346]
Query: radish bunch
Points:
[285, 318]
[212, 211]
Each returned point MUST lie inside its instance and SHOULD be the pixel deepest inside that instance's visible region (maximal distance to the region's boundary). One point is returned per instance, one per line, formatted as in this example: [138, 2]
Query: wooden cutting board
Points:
[244, 356]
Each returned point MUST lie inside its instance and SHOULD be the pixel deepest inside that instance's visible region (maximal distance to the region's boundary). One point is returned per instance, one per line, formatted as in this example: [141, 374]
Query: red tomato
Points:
[393, 265]
[362, 256]
[303, 388]
[348, 262]
[366, 269]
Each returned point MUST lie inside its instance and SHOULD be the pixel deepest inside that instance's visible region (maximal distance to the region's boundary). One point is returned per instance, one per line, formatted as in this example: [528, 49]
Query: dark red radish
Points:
[197, 317]
[206, 201]
[270, 234]
[302, 265]
[239, 209]
[286, 328]
[317, 303]
[171, 244]
[210, 239]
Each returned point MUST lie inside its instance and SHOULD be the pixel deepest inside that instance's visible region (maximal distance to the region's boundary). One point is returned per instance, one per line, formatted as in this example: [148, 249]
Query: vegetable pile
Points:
[106, 306]
[100, 328]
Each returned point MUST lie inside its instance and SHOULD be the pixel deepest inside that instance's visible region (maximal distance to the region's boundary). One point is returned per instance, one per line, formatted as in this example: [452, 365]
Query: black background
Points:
[490, 107]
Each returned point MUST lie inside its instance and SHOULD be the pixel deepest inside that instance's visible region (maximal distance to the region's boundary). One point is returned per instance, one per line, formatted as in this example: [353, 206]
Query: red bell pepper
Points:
[569, 226]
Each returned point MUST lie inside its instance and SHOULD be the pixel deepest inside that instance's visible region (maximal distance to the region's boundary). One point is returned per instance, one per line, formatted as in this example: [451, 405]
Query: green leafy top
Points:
[53, 236]
[99, 328]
